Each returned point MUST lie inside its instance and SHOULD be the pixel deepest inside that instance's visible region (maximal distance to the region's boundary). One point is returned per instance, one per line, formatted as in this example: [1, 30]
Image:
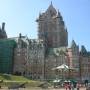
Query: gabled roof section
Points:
[84, 52]
[73, 44]
[83, 49]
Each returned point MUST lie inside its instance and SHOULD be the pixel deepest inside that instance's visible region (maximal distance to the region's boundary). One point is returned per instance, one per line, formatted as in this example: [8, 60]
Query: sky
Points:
[20, 17]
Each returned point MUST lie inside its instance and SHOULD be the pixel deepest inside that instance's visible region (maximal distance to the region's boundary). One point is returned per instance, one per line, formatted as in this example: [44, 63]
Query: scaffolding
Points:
[6, 55]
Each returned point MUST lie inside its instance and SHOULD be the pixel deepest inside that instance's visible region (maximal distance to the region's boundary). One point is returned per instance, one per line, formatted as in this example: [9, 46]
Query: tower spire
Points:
[51, 2]
[58, 13]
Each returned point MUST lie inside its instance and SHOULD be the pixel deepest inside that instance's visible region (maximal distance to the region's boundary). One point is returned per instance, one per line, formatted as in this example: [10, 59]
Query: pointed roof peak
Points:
[73, 43]
[51, 8]
[59, 13]
[51, 5]
[51, 2]
[83, 49]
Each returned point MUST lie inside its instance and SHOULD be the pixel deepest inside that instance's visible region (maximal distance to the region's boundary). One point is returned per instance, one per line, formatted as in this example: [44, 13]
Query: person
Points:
[69, 86]
[74, 84]
[86, 83]
[78, 86]
[66, 85]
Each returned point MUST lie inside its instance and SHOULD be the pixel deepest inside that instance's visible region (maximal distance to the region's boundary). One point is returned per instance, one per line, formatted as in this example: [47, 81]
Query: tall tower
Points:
[51, 28]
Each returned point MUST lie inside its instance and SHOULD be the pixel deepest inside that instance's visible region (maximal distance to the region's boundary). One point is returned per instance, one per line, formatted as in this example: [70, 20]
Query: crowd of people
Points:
[71, 86]
[75, 85]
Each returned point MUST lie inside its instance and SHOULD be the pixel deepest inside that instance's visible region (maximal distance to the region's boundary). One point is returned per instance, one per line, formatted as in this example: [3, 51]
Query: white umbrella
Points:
[63, 66]
[56, 80]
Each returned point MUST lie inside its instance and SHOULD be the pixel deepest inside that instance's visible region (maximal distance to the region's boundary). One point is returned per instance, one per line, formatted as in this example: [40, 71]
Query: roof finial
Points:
[51, 2]
[58, 13]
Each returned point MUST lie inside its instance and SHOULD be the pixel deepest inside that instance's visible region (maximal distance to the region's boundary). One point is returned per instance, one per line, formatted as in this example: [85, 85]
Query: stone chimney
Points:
[3, 26]
[20, 35]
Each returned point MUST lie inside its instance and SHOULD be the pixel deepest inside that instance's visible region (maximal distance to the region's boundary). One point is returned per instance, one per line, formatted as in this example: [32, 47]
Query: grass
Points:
[13, 79]
[9, 77]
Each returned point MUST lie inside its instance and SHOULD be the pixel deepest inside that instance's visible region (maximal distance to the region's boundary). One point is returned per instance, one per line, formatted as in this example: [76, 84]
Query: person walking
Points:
[78, 86]
[72, 86]
[86, 83]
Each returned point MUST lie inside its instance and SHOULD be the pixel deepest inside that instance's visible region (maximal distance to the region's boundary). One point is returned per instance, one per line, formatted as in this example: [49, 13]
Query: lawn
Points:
[9, 79]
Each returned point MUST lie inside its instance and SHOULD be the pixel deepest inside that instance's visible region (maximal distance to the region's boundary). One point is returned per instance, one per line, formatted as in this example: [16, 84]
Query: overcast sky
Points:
[20, 16]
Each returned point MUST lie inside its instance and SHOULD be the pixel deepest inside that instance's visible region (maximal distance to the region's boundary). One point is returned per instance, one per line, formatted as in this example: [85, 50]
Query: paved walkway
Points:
[5, 88]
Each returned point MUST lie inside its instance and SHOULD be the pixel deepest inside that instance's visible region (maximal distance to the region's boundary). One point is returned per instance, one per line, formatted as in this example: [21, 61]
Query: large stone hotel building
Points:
[36, 58]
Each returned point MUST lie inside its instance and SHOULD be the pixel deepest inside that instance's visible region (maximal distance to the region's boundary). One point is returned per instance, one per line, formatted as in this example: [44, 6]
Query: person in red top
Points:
[66, 85]
[69, 86]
